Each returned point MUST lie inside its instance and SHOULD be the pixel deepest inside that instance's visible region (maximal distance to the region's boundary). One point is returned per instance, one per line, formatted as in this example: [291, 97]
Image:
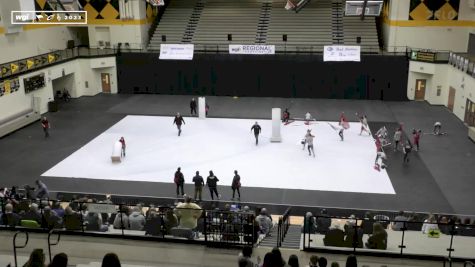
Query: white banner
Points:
[252, 49]
[341, 53]
[177, 51]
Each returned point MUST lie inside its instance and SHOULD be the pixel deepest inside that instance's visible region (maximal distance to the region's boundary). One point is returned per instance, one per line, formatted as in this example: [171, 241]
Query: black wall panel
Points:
[307, 76]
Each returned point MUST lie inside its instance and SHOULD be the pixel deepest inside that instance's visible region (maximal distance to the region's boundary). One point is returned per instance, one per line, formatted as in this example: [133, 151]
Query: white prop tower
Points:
[202, 107]
[276, 123]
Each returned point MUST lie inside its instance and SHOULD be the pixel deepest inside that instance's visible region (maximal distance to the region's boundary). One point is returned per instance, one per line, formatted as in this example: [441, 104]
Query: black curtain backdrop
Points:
[305, 76]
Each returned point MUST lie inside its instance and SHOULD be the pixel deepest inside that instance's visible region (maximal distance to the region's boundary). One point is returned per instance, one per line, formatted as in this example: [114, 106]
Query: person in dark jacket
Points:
[178, 121]
[334, 237]
[236, 184]
[212, 182]
[407, 150]
[193, 106]
[33, 214]
[46, 126]
[257, 130]
[199, 183]
[10, 218]
[179, 182]
[379, 238]
[353, 238]
[323, 222]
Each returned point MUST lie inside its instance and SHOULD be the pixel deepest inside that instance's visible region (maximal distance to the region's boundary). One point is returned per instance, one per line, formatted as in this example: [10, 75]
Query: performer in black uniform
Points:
[257, 131]
[178, 121]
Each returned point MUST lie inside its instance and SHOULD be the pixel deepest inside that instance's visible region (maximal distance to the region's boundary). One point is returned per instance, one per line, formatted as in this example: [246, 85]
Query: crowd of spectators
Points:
[350, 234]
[274, 259]
[37, 259]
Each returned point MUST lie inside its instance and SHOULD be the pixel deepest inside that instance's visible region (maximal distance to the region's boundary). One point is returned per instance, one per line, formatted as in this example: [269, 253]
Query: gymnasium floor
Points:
[154, 151]
[438, 178]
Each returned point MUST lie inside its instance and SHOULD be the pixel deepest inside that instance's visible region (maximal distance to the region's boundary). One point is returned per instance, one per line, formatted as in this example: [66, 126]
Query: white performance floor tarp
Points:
[154, 151]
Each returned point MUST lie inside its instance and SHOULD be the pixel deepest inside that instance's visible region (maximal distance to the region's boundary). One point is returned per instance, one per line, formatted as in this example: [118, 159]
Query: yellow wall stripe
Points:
[430, 23]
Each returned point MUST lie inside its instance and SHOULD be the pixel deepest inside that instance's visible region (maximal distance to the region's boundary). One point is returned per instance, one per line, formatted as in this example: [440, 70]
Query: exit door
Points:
[420, 89]
[106, 82]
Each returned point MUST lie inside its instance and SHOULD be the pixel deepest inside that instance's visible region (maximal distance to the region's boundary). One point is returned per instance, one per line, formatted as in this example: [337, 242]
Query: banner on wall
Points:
[434, 10]
[177, 51]
[342, 53]
[252, 49]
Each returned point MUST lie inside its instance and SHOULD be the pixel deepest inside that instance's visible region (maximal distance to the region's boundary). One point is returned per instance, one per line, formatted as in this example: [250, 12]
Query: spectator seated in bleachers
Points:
[153, 223]
[382, 219]
[310, 224]
[59, 260]
[33, 214]
[244, 258]
[352, 238]
[367, 223]
[351, 261]
[334, 237]
[188, 214]
[170, 221]
[399, 221]
[37, 259]
[121, 220]
[71, 219]
[56, 207]
[136, 219]
[94, 222]
[264, 222]
[10, 218]
[379, 238]
[313, 262]
[110, 260]
[323, 222]
[430, 225]
[50, 219]
[350, 223]
[414, 222]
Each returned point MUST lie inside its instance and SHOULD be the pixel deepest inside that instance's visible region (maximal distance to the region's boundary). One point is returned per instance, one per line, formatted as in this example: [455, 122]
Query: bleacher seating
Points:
[354, 27]
[311, 27]
[207, 24]
[221, 17]
[173, 23]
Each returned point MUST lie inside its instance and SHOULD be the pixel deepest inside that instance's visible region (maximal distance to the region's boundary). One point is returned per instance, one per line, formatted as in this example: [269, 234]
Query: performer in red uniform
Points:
[343, 121]
[416, 135]
[46, 126]
[122, 141]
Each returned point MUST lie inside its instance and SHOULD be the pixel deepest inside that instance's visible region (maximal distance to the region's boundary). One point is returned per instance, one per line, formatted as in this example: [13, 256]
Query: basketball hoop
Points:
[156, 2]
[289, 5]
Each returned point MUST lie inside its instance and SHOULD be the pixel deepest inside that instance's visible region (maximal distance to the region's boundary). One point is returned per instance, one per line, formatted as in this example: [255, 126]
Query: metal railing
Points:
[382, 235]
[213, 227]
[50, 244]
[283, 226]
[15, 246]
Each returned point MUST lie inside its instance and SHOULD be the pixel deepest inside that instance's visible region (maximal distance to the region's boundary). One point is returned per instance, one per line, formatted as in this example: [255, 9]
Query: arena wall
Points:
[304, 76]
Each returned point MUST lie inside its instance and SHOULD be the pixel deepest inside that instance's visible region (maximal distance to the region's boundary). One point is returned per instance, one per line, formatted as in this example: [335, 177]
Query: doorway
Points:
[420, 89]
[106, 82]
[470, 113]
[451, 102]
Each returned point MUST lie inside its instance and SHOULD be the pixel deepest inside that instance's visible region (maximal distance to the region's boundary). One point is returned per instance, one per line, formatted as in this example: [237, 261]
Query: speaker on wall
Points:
[164, 38]
[230, 37]
[358, 40]
[284, 37]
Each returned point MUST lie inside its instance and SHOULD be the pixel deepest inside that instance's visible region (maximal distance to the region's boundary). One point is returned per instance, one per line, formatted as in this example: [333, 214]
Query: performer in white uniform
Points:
[309, 140]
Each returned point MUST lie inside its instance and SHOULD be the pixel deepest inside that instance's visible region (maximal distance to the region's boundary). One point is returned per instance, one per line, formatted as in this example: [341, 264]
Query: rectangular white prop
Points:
[342, 53]
[116, 152]
[201, 107]
[177, 51]
[252, 49]
[276, 123]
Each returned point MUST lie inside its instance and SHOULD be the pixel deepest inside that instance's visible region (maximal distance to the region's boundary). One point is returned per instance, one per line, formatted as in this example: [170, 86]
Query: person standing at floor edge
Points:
[212, 182]
[199, 183]
[193, 106]
[178, 121]
[179, 181]
[236, 184]
[46, 126]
